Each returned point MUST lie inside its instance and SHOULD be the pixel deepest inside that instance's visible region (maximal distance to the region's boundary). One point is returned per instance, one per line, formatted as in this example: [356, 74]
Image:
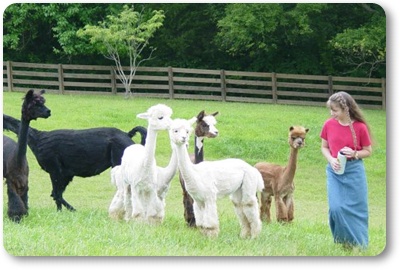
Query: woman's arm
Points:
[327, 154]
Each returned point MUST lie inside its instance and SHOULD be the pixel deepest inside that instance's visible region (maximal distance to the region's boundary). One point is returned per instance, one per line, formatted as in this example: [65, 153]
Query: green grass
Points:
[253, 132]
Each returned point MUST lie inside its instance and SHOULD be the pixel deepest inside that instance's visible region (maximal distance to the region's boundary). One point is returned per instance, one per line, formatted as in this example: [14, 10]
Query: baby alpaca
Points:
[208, 180]
[278, 180]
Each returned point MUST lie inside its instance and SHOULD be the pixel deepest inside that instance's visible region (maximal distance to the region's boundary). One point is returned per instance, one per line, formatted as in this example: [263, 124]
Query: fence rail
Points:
[184, 83]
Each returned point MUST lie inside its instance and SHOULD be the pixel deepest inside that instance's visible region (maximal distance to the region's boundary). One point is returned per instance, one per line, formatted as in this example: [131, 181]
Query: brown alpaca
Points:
[15, 163]
[279, 180]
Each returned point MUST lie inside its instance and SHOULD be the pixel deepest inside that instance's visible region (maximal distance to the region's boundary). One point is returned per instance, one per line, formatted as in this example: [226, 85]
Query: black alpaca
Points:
[204, 129]
[15, 164]
[67, 153]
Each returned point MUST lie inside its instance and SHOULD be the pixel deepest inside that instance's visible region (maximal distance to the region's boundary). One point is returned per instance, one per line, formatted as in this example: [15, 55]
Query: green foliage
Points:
[123, 33]
[25, 33]
[254, 132]
[246, 28]
[68, 18]
[302, 38]
[186, 40]
[365, 45]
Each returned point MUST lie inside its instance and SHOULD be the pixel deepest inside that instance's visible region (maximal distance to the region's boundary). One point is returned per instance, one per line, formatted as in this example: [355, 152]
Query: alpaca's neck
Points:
[198, 149]
[22, 140]
[291, 166]
[170, 170]
[14, 125]
[150, 147]
[185, 165]
[166, 174]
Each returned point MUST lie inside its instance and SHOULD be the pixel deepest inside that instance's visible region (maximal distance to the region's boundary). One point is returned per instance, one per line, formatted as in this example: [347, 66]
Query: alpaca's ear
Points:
[42, 91]
[29, 95]
[214, 114]
[307, 129]
[291, 128]
[143, 115]
[200, 116]
[192, 121]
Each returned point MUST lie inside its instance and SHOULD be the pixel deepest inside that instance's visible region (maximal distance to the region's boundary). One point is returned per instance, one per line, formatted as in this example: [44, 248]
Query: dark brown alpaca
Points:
[279, 180]
[15, 164]
[205, 128]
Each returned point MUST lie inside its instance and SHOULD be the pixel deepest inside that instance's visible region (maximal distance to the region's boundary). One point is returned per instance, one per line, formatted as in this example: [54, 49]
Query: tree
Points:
[309, 38]
[364, 48]
[126, 34]
[26, 33]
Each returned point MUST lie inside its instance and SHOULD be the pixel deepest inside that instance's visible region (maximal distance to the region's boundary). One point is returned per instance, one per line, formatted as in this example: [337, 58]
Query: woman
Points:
[347, 132]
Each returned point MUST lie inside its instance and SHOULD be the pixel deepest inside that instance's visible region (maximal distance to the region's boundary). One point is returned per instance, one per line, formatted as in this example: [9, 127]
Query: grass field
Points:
[253, 132]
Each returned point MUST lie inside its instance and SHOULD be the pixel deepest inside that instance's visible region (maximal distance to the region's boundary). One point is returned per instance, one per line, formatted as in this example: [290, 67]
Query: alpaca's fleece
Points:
[209, 180]
[205, 128]
[148, 183]
[279, 180]
[117, 209]
[15, 163]
[65, 153]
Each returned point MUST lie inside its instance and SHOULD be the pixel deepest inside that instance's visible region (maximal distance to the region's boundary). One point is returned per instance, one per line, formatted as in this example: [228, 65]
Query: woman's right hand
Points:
[335, 164]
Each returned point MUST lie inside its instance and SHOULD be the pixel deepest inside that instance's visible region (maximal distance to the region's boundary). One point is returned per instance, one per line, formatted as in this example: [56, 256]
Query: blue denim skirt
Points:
[348, 204]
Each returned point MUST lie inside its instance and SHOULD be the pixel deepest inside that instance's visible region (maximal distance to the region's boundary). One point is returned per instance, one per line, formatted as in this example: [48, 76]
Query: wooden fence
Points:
[183, 83]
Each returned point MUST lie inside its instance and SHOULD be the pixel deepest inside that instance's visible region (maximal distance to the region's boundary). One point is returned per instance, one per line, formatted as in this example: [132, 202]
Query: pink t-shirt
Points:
[339, 136]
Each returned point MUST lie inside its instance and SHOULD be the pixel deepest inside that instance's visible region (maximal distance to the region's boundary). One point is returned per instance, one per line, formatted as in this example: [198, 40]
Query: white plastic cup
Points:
[342, 160]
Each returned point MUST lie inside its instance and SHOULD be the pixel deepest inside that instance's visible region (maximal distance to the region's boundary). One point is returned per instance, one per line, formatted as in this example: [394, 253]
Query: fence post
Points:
[60, 79]
[113, 81]
[223, 85]
[330, 85]
[171, 82]
[9, 76]
[383, 93]
[274, 88]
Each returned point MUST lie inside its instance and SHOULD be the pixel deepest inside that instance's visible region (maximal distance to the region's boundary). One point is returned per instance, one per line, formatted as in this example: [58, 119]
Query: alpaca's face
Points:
[158, 116]
[297, 136]
[180, 131]
[34, 107]
[206, 127]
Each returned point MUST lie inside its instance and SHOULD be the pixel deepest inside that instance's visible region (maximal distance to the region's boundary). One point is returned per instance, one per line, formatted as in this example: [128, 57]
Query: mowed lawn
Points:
[253, 132]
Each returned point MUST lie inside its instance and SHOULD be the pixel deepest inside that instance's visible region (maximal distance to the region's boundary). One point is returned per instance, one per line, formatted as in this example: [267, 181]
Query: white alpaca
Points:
[117, 207]
[208, 180]
[143, 185]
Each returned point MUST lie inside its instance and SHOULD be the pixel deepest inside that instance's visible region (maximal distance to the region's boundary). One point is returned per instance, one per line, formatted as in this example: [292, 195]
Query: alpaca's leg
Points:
[187, 205]
[265, 209]
[59, 185]
[281, 210]
[188, 212]
[198, 209]
[290, 207]
[138, 212]
[210, 219]
[117, 208]
[16, 207]
[250, 209]
[24, 195]
[155, 209]
[244, 223]
[128, 208]
[127, 201]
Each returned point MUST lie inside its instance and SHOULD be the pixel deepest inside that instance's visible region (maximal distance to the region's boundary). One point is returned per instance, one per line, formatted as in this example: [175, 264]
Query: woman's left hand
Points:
[348, 152]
